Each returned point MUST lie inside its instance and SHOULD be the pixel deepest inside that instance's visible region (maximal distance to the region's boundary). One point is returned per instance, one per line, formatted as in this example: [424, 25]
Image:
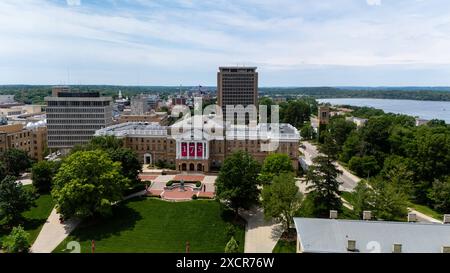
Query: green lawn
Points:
[427, 210]
[284, 246]
[151, 225]
[35, 218]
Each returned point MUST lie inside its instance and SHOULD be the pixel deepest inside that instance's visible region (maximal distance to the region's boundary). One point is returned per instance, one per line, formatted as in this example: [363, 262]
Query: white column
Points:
[195, 149]
[189, 150]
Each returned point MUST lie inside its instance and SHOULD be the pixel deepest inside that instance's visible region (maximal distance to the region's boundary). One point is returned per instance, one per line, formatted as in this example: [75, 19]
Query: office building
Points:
[73, 118]
[139, 105]
[7, 99]
[61, 88]
[237, 86]
[12, 111]
[179, 100]
[153, 102]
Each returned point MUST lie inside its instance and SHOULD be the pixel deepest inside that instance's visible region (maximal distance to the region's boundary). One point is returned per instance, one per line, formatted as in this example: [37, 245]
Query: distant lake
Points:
[422, 109]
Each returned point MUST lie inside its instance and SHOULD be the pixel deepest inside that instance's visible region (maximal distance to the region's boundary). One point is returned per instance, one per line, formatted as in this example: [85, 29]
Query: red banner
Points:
[199, 149]
[184, 149]
[191, 149]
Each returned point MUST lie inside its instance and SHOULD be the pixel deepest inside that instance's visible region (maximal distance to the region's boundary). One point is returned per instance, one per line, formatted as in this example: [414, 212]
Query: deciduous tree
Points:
[281, 199]
[275, 164]
[440, 194]
[14, 199]
[383, 198]
[131, 167]
[237, 181]
[15, 161]
[390, 202]
[340, 129]
[42, 174]
[362, 198]
[88, 183]
[364, 166]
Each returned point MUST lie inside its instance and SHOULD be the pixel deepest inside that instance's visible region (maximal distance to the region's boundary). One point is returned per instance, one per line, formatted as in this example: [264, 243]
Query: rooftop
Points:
[79, 94]
[251, 68]
[78, 98]
[331, 235]
[209, 126]
[283, 131]
[134, 128]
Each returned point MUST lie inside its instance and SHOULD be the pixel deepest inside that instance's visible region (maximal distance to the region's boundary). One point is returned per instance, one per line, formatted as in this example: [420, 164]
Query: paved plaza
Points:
[158, 186]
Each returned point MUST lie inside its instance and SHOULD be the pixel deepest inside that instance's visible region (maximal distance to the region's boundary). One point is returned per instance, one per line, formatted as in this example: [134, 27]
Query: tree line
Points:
[442, 94]
[411, 163]
[35, 94]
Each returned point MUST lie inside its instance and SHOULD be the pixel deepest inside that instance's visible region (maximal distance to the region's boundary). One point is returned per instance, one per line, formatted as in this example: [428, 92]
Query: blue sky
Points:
[172, 42]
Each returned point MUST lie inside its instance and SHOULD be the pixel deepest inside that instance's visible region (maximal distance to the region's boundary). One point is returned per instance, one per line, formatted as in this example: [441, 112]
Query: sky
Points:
[173, 42]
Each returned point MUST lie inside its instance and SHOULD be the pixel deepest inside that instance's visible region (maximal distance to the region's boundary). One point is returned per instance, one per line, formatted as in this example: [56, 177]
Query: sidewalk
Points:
[53, 233]
[260, 236]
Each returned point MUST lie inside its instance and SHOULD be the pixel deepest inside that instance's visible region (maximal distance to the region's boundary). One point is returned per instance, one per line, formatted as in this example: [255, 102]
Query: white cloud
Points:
[169, 43]
[73, 2]
[373, 2]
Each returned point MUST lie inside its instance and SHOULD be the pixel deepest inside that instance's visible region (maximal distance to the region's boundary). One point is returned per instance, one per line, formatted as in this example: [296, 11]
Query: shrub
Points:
[134, 188]
[163, 164]
[232, 246]
[17, 241]
[169, 183]
[194, 197]
[205, 197]
[230, 230]
[147, 182]
[198, 184]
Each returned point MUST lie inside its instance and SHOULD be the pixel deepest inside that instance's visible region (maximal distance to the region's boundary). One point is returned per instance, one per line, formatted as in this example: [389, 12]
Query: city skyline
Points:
[167, 43]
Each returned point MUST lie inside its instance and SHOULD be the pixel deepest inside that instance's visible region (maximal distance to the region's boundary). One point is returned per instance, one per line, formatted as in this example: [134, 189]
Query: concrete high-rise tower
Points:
[236, 86]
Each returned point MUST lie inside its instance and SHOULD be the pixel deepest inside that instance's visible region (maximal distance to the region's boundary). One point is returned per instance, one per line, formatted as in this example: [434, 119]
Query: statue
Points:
[182, 185]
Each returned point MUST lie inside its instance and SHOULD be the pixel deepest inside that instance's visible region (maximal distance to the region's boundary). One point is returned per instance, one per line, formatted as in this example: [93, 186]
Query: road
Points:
[348, 180]
[25, 179]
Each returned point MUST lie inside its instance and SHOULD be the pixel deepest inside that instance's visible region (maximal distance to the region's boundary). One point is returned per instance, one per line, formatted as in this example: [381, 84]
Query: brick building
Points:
[32, 140]
[201, 143]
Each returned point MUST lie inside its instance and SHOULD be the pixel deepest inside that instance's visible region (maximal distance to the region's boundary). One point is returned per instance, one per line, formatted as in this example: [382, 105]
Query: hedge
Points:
[171, 182]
